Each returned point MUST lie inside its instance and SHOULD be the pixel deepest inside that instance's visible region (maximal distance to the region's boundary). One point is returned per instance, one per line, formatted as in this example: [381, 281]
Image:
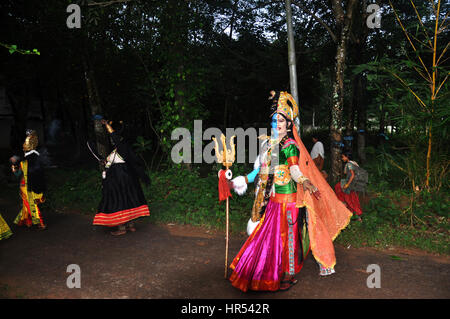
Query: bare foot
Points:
[118, 232]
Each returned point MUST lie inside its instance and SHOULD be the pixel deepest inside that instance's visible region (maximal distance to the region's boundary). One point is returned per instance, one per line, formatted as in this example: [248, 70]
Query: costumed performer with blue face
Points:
[281, 230]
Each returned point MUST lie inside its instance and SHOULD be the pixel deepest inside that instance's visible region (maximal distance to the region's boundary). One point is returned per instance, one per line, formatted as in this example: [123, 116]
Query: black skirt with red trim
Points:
[122, 197]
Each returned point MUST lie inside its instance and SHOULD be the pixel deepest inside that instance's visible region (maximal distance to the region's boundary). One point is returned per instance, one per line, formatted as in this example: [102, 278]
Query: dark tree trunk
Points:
[361, 33]
[362, 119]
[96, 108]
[175, 18]
[343, 22]
[348, 139]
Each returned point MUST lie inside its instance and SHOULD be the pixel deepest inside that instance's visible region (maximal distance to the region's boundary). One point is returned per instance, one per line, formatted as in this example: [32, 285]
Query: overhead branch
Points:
[442, 54]
[443, 21]
[318, 19]
[439, 88]
[422, 104]
[107, 3]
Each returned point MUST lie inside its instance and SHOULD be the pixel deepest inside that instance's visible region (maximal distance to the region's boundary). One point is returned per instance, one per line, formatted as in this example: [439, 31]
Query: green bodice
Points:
[289, 150]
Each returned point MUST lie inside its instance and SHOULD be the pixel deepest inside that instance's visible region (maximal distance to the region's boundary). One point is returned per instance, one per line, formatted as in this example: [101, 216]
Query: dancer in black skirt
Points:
[122, 196]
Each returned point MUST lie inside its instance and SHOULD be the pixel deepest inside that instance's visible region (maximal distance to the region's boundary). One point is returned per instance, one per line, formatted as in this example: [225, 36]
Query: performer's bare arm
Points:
[350, 179]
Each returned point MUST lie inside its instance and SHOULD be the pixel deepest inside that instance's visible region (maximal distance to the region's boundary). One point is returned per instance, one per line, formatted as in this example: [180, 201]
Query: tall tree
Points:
[358, 103]
[339, 30]
[343, 21]
[291, 52]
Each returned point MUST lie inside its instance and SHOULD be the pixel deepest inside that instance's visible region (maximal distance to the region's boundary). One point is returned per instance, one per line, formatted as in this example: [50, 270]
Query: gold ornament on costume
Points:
[282, 175]
[31, 141]
[109, 128]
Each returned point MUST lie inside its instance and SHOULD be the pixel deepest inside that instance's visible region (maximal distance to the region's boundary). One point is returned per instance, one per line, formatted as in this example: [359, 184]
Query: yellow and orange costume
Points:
[5, 231]
[32, 184]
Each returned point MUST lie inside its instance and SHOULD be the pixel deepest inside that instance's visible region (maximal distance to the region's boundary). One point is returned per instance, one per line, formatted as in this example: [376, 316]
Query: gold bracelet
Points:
[302, 179]
[109, 128]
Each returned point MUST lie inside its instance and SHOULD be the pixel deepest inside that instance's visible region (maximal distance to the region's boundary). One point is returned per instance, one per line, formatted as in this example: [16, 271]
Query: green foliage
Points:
[405, 157]
[141, 146]
[182, 196]
[175, 196]
[182, 104]
[411, 87]
[394, 214]
[12, 48]
[70, 190]
[386, 223]
[384, 236]
[382, 210]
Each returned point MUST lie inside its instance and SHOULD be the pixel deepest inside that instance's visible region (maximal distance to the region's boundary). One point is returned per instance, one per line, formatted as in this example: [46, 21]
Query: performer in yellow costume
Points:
[5, 231]
[32, 183]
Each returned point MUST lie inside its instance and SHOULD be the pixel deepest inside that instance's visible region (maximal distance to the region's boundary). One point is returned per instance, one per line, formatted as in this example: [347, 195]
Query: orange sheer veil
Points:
[327, 216]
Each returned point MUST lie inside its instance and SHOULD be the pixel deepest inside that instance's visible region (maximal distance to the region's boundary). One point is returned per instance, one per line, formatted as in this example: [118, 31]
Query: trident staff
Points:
[226, 157]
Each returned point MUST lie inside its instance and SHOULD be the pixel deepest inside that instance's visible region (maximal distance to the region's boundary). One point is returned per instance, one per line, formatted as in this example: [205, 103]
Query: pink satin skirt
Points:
[271, 251]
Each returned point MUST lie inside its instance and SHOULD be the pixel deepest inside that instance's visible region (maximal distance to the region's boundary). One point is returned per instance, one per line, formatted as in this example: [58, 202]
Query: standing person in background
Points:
[318, 155]
[122, 197]
[346, 189]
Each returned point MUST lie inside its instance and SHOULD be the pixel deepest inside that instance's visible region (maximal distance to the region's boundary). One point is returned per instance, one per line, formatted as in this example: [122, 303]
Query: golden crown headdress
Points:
[31, 141]
[286, 105]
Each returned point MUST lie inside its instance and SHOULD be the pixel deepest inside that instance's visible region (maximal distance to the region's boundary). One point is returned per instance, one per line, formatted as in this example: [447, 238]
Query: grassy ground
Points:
[186, 197]
[386, 235]
[175, 196]
[7, 292]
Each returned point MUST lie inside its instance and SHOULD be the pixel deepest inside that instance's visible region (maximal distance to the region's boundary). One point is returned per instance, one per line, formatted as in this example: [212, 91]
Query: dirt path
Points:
[169, 261]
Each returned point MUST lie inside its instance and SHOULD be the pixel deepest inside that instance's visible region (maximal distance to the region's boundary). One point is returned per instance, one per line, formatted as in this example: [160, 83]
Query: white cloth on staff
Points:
[251, 225]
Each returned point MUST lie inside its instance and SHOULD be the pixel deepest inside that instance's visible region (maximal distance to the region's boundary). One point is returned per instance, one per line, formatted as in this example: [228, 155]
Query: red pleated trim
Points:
[256, 285]
[121, 217]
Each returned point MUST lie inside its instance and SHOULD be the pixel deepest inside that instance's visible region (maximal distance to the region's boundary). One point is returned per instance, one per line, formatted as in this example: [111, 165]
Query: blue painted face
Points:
[274, 125]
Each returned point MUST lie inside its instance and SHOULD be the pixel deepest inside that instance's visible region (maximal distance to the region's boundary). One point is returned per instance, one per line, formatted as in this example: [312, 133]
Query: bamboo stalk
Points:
[427, 183]
[434, 52]
[433, 94]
